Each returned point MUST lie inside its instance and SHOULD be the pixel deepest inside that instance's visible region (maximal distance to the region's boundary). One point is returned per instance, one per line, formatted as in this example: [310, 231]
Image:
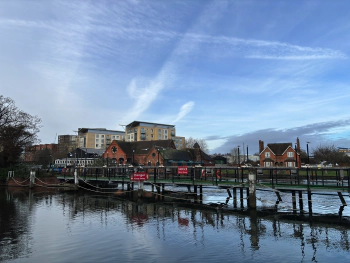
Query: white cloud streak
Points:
[185, 109]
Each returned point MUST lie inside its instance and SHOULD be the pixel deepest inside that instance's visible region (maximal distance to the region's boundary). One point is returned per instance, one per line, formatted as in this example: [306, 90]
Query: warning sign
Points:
[139, 176]
[182, 170]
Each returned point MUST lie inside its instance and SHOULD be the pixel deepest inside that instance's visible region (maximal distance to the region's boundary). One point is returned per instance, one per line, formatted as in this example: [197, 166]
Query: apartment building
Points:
[179, 142]
[148, 131]
[67, 143]
[98, 138]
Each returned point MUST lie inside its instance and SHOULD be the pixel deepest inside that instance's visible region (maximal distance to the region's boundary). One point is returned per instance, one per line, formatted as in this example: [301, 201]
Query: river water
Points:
[54, 225]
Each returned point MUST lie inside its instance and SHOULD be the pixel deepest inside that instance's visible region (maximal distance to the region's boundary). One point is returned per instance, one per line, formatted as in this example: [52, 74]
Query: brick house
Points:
[152, 153]
[279, 154]
[142, 152]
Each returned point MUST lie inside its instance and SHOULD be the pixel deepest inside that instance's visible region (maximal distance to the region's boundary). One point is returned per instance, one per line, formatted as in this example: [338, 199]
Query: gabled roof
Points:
[143, 147]
[278, 148]
[196, 146]
[176, 155]
[203, 155]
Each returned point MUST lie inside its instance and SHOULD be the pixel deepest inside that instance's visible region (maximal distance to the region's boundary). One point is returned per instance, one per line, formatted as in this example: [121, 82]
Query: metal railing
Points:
[274, 176]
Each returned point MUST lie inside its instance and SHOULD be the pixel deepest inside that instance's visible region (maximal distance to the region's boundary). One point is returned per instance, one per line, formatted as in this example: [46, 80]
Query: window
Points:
[290, 154]
[290, 164]
[267, 164]
[102, 135]
[165, 131]
[267, 155]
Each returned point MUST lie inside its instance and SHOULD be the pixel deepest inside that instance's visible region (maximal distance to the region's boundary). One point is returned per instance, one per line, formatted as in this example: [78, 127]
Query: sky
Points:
[229, 72]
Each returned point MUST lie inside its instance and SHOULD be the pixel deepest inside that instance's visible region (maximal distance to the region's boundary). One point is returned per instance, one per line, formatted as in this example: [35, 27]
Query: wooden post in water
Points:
[241, 196]
[234, 197]
[294, 201]
[31, 179]
[76, 180]
[309, 202]
[252, 190]
[301, 205]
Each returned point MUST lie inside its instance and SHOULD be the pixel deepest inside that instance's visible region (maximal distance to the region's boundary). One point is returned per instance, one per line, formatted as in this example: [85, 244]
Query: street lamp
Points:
[247, 155]
[157, 148]
[307, 150]
[132, 160]
[296, 155]
[239, 161]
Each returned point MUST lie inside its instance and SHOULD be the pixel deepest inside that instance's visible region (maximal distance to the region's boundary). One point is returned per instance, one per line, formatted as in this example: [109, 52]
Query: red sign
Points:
[182, 170]
[139, 176]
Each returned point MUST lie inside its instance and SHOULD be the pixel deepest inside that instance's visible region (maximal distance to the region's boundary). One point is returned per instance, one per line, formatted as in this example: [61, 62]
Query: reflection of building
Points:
[279, 154]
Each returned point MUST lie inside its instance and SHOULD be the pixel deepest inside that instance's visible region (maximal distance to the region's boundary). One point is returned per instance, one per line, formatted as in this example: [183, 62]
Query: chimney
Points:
[298, 145]
[261, 146]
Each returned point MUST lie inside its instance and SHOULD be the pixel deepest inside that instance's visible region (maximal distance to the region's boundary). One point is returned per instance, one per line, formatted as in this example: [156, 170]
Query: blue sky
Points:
[229, 72]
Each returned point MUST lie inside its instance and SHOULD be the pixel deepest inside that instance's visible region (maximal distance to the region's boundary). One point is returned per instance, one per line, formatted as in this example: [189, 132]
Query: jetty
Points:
[240, 183]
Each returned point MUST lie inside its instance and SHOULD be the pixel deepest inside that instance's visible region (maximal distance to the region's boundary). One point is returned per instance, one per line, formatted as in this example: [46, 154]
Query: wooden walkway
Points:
[235, 181]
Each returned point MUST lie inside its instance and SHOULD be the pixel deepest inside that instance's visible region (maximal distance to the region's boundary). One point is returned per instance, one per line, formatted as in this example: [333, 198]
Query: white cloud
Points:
[185, 109]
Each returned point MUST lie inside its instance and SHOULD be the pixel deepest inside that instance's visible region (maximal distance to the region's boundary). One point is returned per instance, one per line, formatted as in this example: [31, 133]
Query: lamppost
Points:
[132, 159]
[307, 150]
[296, 156]
[157, 148]
[247, 155]
[239, 161]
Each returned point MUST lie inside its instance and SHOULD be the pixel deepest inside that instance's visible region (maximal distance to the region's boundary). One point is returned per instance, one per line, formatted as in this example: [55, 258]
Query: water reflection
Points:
[197, 235]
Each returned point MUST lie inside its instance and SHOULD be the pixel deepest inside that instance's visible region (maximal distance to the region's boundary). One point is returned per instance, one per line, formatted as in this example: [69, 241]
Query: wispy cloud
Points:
[185, 109]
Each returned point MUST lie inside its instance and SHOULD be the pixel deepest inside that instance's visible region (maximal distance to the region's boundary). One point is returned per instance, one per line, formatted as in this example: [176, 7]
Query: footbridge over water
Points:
[240, 183]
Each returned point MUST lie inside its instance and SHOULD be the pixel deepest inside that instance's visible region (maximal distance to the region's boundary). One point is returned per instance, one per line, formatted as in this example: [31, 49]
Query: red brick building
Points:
[32, 151]
[152, 153]
[279, 155]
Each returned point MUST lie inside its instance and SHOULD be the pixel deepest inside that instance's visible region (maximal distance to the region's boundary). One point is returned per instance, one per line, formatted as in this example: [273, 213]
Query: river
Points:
[54, 225]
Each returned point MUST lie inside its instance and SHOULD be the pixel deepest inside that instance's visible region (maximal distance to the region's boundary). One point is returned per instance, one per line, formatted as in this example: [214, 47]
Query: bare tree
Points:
[189, 142]
[330, 154]
[17, 131]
